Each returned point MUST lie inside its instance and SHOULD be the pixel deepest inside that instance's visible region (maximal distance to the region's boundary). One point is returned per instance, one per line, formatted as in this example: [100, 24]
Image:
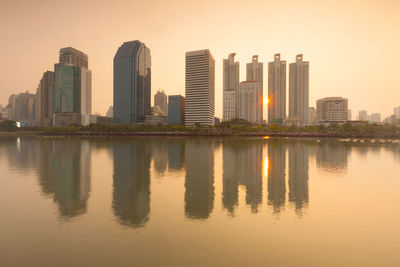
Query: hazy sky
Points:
[353, 46]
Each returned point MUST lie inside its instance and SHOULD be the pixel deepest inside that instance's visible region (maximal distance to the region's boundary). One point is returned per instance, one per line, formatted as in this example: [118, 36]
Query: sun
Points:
[265, 100]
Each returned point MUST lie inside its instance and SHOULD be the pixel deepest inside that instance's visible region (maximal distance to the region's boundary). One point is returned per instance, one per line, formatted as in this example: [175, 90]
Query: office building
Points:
[72, 57]
[161, 100]
[132, 83]
[375, 118]
[312, 115]
[250, 102]
[396, 112]
[349, 117]
[332, 109]
[230, 87]
[363, 115]
[176, 110]
[110, 112]
[72, 84]
[277, 90]
[22, 109]
[299, 90]
[200, 88]
[157, 117]
[45, 100]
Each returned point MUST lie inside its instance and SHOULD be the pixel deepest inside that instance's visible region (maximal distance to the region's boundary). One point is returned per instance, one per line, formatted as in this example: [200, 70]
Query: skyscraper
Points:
[132, 83]
[160, 99]
[200, 88]
[45, 99]
[81, 76]
[176, 110]
[255, 72]
[230, 86]
[299, 90]
[277, 90]
[72, 83]
[250, 102]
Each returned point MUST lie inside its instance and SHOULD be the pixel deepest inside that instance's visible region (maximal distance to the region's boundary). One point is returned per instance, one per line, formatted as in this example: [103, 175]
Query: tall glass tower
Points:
[132, 83]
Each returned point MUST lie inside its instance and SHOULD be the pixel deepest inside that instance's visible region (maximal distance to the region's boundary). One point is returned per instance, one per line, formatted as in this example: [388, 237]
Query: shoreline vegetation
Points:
[233, 128]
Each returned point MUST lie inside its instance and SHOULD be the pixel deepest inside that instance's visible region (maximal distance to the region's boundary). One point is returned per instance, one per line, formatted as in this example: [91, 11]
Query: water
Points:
[198, 202]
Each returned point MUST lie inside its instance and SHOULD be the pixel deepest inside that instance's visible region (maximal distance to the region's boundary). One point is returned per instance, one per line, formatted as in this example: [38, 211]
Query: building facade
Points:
[72, 83]
[363, 115]
[396, 112]
[332, 109]
[230, 87]
[299, 90]
[250, 102]
[277, 90]
[199, 88]
[132, 83]
[176, 110]
[255, 72]
[375, 118]
[45, 99]
[161, 100]
[312, 115]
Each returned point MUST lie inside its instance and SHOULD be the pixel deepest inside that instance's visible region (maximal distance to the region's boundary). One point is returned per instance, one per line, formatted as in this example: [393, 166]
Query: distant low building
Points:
[363, 115]
[66, 119]
[375, 118]
[312, 115]
[349, 117]
[94, 119]
[332, 110]
[157, 117]
[176, 110]
[396, 112]
[110, 112]
[161, 100]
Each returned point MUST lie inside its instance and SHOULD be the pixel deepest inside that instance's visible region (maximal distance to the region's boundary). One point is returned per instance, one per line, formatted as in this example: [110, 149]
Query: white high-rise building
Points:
[312, 115]
[250, 102]
[160, 99]
[255, 72]
[200, 88]
[332, 109]
[277, 90]
[299, 90]
[363, 115]
[230, 86]
[396, 112]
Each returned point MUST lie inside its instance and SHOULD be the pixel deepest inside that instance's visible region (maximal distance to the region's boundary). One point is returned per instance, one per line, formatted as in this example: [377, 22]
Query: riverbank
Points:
[219, 133]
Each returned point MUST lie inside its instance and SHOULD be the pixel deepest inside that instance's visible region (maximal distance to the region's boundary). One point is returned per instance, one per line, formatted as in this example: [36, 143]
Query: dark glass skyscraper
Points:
[132, 83]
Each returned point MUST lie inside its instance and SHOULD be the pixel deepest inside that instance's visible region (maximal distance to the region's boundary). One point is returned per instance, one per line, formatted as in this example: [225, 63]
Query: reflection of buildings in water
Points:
[332, 155]
[22, 153]
[176, 154]
[160, 154]
[276, 173]
[131, 182]
[199, 182]
[242, 165]
[298, 174]
[64, 173]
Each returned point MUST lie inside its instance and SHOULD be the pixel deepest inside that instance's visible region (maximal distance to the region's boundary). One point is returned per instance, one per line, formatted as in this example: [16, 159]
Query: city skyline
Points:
[325, 44]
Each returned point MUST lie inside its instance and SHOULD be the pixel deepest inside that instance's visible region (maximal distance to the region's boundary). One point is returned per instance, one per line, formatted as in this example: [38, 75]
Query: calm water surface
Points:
[198, 202]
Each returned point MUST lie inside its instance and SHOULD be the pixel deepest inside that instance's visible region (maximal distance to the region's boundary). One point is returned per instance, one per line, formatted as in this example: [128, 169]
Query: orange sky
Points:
[353, 46]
